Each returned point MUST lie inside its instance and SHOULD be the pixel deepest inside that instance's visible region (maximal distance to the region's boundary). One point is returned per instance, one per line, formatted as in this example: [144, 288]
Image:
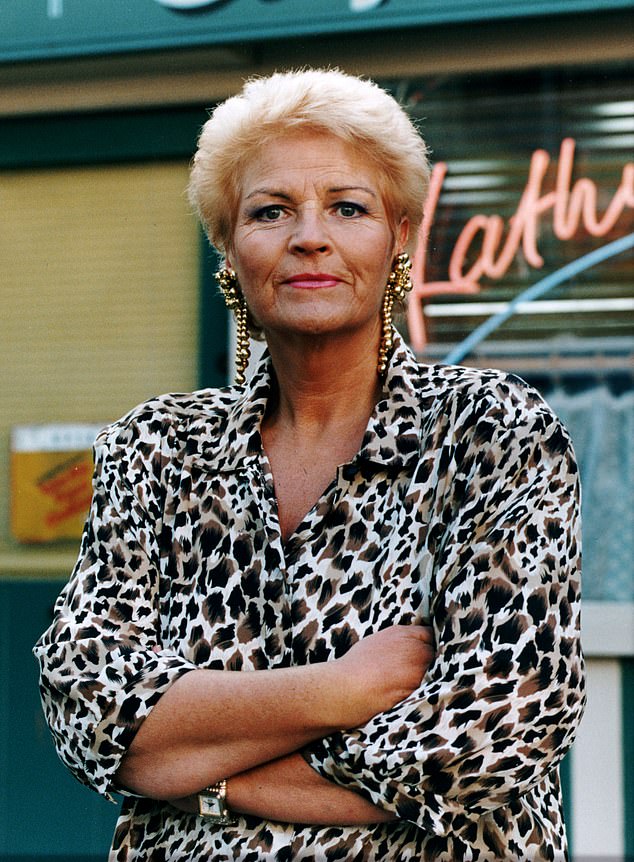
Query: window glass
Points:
[486, 129]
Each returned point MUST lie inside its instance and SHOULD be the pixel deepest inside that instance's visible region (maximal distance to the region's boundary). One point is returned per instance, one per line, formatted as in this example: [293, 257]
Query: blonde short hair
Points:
[355, 110]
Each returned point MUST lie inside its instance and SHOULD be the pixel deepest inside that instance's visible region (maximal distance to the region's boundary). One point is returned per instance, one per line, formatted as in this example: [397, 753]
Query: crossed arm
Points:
[250, 727]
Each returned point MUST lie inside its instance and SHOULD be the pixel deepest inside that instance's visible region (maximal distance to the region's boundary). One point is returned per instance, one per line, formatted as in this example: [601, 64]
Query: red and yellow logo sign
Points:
[51, 472]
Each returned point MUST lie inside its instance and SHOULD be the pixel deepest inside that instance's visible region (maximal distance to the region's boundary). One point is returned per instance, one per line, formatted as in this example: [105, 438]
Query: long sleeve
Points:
[101, 662]
[498, 709]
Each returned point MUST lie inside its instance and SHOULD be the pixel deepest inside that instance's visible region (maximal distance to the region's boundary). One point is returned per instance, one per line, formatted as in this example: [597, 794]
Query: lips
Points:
[312, 280]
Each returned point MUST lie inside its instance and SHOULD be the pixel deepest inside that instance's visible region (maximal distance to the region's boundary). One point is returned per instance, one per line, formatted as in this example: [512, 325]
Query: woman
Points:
[387, 551]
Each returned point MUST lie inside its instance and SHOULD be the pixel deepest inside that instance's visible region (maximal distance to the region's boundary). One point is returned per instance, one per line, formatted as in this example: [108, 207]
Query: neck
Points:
[324, 381]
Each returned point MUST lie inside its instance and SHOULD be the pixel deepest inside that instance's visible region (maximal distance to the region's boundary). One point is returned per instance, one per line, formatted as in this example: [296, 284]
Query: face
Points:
[313, 245]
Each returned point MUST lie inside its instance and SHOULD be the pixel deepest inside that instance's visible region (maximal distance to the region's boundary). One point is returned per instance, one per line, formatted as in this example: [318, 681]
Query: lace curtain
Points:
[601, 424]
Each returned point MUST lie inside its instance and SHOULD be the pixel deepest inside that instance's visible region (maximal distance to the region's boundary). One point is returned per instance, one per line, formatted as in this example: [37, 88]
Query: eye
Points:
[347, 209]
[272, 212]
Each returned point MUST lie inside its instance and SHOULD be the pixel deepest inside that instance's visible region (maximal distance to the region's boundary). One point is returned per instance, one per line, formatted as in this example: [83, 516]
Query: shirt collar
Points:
[392, 437]
[393, 434]
[237, 443]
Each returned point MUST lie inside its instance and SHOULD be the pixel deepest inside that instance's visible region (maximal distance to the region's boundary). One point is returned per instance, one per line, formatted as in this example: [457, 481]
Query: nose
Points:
[310, 235]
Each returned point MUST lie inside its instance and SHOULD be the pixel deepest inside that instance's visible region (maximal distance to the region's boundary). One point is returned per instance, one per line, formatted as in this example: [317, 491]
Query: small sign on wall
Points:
[51, 487]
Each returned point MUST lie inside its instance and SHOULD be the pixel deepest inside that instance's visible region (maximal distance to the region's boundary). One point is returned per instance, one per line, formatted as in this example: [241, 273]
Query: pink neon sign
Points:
[572, 205]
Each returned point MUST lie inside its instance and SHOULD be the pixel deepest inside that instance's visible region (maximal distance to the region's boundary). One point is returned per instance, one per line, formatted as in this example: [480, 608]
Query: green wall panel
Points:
[213, 359]
[43, 809]
[99, 137]
[53, 28]
[565, 776]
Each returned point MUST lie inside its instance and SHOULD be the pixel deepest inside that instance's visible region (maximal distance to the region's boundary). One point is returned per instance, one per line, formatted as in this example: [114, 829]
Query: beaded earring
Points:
[399, 284]
[235, 301]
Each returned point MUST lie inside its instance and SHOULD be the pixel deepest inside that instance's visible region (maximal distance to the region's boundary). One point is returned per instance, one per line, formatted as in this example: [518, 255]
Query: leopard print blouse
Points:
[460, 511]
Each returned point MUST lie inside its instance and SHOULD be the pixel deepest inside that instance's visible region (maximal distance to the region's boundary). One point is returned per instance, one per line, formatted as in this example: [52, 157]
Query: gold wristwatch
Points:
[212, 803]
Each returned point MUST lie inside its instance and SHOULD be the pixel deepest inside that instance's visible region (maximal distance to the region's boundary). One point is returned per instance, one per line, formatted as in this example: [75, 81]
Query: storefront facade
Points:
[108, 293]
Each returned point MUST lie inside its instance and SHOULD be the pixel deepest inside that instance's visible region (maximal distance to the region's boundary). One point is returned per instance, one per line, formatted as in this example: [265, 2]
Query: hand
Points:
[382, 669]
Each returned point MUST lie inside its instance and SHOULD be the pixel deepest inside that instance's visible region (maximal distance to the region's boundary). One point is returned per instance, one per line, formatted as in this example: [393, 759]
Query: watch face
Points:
[209, 805]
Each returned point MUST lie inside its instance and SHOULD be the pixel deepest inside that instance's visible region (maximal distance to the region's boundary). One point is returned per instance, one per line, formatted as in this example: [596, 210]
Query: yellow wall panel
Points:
[99, 273]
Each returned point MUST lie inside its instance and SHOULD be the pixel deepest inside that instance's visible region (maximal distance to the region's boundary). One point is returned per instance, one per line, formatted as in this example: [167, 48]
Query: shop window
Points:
[100, 288]
[486, 130]
[560, 134]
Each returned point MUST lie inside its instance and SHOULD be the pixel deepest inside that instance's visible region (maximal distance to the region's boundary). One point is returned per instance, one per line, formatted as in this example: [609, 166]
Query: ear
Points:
[402, 234]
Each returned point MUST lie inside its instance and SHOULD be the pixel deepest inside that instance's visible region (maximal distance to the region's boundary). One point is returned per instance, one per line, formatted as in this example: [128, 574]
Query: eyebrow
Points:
[365, 189]
[335, 190]
[269, 193]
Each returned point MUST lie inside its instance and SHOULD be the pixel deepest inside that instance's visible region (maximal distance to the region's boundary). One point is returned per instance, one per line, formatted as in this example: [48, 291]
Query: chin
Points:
[309, 326]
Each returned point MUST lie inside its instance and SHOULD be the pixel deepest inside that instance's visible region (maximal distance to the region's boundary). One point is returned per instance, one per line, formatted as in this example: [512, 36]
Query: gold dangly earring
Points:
[236, 302]
[398, 285]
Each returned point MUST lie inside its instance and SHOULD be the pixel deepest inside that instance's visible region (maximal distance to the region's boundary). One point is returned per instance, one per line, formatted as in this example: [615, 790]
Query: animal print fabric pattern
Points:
[460, 510]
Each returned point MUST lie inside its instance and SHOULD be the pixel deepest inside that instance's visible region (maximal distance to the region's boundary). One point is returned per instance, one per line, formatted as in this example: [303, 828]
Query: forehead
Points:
[304, 160]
